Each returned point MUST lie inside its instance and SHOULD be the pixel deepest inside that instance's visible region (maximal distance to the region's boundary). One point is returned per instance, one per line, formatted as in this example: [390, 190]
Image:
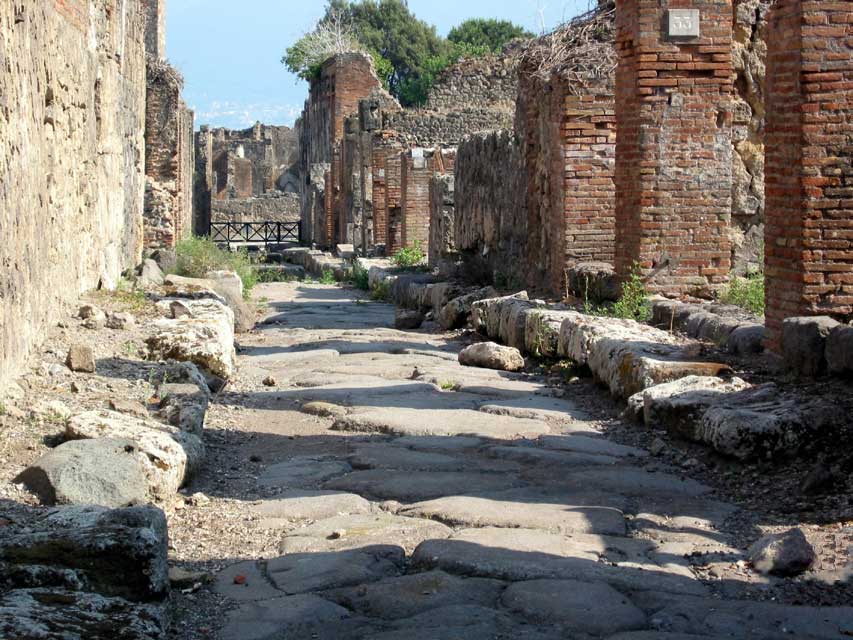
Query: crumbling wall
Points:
[275, 206]
[204, 182]
[169, 158]
[471, 83]
[749, 54]
[442, 223]
[491, 207]
[72, 115]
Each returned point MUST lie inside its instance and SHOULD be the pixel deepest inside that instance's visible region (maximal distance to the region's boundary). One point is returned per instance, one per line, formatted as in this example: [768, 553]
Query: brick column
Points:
[673, 150]
[417, 169]
[809, 168]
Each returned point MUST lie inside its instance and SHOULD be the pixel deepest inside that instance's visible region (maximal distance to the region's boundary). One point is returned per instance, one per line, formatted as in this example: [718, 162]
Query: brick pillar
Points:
[809, 167]
[417, 169]
[673, 151]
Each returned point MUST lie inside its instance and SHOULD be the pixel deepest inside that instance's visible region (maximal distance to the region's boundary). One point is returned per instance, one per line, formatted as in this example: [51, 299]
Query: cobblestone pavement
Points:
[397, 494]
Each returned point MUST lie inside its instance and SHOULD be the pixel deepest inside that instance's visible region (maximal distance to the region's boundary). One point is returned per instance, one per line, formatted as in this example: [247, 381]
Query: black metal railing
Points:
[256, 232]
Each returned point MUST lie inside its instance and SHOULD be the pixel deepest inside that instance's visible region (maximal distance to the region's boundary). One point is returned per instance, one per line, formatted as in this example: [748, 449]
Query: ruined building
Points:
[246, 176]
[95, 165]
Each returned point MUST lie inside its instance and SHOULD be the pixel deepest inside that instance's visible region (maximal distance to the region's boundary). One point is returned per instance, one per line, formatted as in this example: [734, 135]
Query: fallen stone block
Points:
[405, 319]
[183, 406]
[171, 456]
[206, 338]
[804, 344]
[108, 472]
[490, 355]
[81, 359]
[150, 274]
[118, 553]
[120, 321]
[782, 554]
[839, 350]
[455, 314]
[224, 286]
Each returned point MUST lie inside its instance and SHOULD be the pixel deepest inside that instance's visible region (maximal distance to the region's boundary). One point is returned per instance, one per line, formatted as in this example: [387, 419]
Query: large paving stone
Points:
[302, 504]
[440, 443]
[245, 582]
[364, 530]
[593, 608]
[525, 554]
[410, 486]
[466, 622]
[537, 456]
[305, 572]
[413, 422]
[303, 471]
[406, 596]
[473, 511]
[586, 444]
[106, 472]
[633, 482]
[386, 456]
[744, 619]
[540, 407]
[288, 616]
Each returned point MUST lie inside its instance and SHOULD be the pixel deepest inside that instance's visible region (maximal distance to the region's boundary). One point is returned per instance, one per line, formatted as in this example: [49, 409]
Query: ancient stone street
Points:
[399, 494]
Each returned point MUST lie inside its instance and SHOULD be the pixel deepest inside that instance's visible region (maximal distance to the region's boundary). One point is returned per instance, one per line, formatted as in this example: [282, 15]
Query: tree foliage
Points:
[407, 52]
[490, 34]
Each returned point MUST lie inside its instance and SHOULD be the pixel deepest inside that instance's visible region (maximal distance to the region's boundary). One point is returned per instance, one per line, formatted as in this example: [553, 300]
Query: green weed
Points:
[408, 257]
[197, 256]
[381, 292]
[328, 277]
[747, 293]
[633, 304]
[449, 385]
[360, 276]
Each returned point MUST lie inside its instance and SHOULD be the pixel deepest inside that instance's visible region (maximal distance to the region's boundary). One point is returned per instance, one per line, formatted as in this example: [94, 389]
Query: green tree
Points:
[488, 33]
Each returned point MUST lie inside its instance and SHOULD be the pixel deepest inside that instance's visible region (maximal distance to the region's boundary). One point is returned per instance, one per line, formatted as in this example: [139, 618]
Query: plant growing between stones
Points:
[746, 293]
[408, 257]
[381, 292]
[328, 277]
[633, 303]
[360, 276]
[198, 256]
[449, 385]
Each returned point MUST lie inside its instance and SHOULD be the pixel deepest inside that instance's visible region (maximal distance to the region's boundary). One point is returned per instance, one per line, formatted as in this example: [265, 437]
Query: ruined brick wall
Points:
[204, 182]
[442, 240]
[72, 115]
[393, 196]
[673, 153]
[491, 80]
[275, 206]
[809, 233]
[169, 159]
[491, 206]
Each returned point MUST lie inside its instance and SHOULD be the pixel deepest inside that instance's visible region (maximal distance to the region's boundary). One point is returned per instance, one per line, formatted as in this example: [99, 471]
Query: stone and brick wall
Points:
[490, 194]
[204, 182]
[275, 206]
[155, 28]
[417, 166]
[72, 83]
[169, 159]
[673, 151]
[809, 232]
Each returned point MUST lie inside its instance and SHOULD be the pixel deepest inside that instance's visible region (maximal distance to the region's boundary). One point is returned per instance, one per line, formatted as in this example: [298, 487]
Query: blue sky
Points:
[230, 50]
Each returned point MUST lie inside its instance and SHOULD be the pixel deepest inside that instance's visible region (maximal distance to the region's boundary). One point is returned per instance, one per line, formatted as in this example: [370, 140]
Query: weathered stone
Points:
[166, 259]
[130, 407]
[171, 456]
[583, 443]
[412, 422]
[81, 358]
[223, 286]
[386, 456]
[839, 350]
[184, 406]
[205, 339]
[291, 616]
[537, 456]
[304, 472]
[585, 607]
[746, 339]
[301, 505]
[358, 531]
[324, 409]
[456, 312]
[406, 596]
[104, 472]
[593, 281]
[420, 485]
[245, 582]
[87, 311]
[492, 356]
[120, 320]
[151, 275]
[804, 343]
[784, 554]
[57, 614]
[512, 510]
[405, 319]
[118, 553]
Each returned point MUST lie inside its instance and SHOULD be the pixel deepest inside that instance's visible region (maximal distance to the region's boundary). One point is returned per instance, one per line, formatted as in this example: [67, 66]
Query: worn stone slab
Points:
[633, 482]
[406, 596]
[476, 511]
[413, 422]
[411, 486]
[534, 455]
[290, 616]
[303, 471]
[525, 554]
[362, 530]
[539, 407]
[594, 608]
[388, 456]
[586, 444]
[440, 443]
[466, 622]
[306, 572]
[245, 582]
[302, 504]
